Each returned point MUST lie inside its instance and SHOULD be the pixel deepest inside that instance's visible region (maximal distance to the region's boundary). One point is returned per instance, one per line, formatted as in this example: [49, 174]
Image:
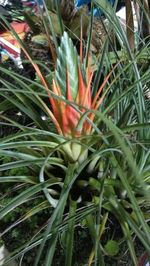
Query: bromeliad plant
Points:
[48, 24]
[103, 126]
[72, 103]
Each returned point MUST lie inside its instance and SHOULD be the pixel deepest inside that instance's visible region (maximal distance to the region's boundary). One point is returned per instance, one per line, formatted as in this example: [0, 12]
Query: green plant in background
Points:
[53, 21]
[95, 165]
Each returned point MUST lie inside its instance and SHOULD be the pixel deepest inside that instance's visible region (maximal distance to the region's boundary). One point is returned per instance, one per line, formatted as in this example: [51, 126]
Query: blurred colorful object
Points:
[27, 3]
[79, 3]
[9, 45]
[31, 3]
[97, 11]
[144, 260]
[12, 11]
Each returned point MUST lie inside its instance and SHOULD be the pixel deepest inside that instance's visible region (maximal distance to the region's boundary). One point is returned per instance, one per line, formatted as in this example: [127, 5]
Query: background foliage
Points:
[97, 183]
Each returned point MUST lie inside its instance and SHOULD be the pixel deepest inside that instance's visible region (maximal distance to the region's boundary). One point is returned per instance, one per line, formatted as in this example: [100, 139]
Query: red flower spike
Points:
[66, 115]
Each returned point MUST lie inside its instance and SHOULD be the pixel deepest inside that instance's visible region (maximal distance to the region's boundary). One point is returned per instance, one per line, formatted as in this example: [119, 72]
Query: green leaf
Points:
[70, 233]
[67, 61]
[55, 22]
[112, 248]
[56, 219]
[49, 4]
[32, 21]
[75, 24]
[24, 196]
